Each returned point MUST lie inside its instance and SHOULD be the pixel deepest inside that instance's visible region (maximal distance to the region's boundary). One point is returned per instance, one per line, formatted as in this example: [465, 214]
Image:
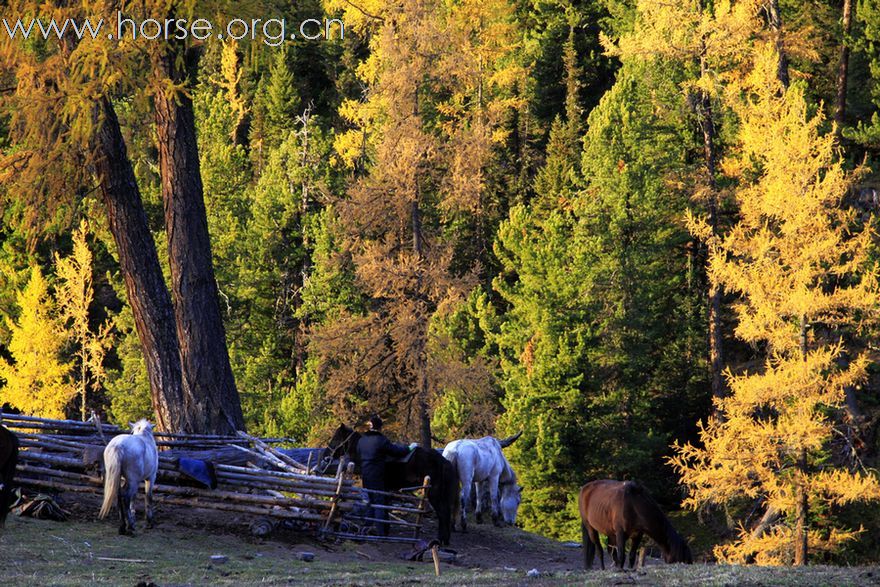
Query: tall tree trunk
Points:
[775, 21]
[716, 336]
[801, 514]
[802, 503]
[212, 400]
[147, 293]
[843, 68]
[421, 351]
[301, 332]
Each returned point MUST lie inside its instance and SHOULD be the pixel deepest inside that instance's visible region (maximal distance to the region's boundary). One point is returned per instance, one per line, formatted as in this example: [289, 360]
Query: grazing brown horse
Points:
[622, 510]
[8, 461]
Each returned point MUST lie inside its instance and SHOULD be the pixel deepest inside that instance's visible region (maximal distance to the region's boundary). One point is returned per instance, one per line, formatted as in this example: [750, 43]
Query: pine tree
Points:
[558, 178]
[544, 345]
[128, 386]
[36, 381]
[282, 104]
[269, 323]
[868, 15]
[598, 309]
[801, 265]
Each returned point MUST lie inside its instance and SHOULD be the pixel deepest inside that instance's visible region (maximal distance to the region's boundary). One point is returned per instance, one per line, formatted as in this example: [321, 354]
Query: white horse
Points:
[481, 462]
[135, 457]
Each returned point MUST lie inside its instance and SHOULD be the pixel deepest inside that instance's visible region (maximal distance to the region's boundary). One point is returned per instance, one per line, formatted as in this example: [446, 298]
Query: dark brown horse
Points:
[8, 461]
[409, 473]
[622, 510]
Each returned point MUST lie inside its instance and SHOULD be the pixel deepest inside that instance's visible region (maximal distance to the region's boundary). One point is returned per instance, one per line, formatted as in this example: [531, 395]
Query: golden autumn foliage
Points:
[75, 293]
[718, 34]
[36, 380]
[439, 82]
[799, 263]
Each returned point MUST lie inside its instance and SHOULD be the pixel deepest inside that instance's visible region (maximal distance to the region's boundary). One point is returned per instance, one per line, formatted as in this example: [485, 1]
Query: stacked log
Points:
[65, 455]
[253, 478]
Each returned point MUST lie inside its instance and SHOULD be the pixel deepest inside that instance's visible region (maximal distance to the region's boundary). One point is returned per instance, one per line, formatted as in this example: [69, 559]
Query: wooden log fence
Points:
[66, 455]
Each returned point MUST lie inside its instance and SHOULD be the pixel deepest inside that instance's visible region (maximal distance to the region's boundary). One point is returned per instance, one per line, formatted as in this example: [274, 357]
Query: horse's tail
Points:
[112, 478]
[456, 490]
[505, 442]
[449, 499]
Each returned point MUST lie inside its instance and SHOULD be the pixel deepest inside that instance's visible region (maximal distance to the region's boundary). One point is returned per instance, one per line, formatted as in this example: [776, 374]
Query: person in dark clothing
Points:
[373, 449]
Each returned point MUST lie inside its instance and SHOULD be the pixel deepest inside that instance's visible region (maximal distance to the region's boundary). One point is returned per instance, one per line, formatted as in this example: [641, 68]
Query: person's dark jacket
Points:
[373, 448]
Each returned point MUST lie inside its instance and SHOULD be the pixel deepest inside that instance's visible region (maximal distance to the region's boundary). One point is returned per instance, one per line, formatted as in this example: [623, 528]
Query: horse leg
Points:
[464, 502]
[588, 546]
[478, 496]
[493, 497]
[597, 546]
[148, 500]
[123, 512]
[129, 492]
[634, 549]
[621, 549]
[6, 477]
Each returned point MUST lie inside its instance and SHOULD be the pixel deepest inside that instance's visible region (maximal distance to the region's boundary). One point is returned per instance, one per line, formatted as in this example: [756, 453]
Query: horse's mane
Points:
[508, 475]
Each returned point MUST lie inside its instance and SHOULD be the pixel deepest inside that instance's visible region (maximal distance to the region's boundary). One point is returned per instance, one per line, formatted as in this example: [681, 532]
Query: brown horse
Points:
[443, 492]
[8, 461]
[623, 510]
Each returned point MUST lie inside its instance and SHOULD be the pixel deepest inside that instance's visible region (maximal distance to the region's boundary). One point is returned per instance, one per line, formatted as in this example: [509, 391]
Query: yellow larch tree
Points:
[800, 264]
[35, 381]
[75, 293]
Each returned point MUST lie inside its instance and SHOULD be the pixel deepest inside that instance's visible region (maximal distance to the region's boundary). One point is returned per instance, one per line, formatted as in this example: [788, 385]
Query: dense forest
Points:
[641, 232]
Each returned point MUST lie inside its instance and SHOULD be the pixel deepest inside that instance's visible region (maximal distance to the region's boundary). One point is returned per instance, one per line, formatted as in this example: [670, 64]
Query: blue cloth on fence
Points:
[301, 455]
[198, 470]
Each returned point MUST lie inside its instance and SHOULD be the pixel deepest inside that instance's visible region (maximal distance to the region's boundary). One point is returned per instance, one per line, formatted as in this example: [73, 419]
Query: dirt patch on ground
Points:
[484, 546]
[178, 552]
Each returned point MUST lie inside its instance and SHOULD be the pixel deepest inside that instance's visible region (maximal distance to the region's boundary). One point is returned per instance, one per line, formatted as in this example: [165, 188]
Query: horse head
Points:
[678, 551]
[509, 500]
[141, 427]
[342, 443]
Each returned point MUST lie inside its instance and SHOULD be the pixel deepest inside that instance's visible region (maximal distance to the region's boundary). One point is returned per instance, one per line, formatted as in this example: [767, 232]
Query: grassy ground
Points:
[36, 552]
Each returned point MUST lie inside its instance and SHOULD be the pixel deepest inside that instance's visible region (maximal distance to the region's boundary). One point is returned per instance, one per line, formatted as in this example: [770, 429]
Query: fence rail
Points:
[255, 479]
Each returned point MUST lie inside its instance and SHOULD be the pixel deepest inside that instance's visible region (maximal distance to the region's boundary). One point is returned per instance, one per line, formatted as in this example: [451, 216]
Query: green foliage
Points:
[128, 386]
[599, 308]
[543, 349]
[867, 15]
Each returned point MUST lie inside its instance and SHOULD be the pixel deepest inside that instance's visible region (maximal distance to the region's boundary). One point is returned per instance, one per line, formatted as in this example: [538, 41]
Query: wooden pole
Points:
[426, 485]
[436, 556]
[276, 457]
[96, 419]
[341, 473]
